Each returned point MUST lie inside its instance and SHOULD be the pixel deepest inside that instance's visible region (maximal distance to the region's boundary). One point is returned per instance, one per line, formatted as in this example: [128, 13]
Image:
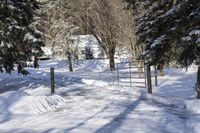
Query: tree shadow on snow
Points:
[89, 118]
[35, 80]
[5, 104]
[21, 130]
[182, 87]
[117, 122]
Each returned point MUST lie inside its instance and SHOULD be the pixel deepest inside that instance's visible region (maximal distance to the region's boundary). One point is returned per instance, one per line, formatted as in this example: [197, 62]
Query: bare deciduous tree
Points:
[98, 18]
[58, 27]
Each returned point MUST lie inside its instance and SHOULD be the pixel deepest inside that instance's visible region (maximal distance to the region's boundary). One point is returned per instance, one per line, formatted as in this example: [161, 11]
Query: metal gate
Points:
[131, 74]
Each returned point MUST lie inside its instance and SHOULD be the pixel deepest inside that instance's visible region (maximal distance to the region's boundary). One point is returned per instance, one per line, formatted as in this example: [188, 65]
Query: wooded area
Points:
[162, 33]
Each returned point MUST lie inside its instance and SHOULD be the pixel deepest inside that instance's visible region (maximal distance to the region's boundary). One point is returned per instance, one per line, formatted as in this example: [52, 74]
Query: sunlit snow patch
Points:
[95, 82]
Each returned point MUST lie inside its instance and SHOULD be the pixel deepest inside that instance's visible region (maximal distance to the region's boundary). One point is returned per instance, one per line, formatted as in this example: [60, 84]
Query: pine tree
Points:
[88, 53]
[18, 40]
[170, 31]
[167, 28]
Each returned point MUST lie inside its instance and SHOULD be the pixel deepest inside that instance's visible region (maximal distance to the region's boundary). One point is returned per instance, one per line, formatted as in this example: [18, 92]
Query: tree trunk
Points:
[111, 54]
[198, 83]
[52, 49]
[161, 69]
[70, 62]
[35, 62]
[149, 84]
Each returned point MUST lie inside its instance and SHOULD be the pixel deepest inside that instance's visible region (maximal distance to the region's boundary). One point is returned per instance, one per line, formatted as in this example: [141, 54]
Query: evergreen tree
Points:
[88, 53]
[170, 31]
[19, 41]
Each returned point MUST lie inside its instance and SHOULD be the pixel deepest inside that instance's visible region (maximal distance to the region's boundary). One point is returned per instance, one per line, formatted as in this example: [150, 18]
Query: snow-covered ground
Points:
[90, 101]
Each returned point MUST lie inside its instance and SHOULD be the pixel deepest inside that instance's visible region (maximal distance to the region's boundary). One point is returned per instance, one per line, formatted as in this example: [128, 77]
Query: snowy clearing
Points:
[88, 101]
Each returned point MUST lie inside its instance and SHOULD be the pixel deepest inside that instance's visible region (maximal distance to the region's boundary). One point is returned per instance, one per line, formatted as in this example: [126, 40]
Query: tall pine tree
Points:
[170, 31]
[19, 41]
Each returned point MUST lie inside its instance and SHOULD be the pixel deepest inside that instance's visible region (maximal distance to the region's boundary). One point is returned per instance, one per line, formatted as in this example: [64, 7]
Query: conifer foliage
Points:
[19, 41]
[170, 31]
[88, 53]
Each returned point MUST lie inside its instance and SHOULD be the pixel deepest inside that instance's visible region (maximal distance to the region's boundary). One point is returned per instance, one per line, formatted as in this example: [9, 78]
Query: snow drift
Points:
[18, 102]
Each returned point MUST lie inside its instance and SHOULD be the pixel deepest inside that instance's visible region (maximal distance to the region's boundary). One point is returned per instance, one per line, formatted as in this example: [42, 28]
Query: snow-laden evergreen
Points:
[170, 32]
[18, 40]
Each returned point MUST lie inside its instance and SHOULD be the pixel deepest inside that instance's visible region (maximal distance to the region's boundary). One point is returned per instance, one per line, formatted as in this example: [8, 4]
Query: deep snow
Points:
[89, 100]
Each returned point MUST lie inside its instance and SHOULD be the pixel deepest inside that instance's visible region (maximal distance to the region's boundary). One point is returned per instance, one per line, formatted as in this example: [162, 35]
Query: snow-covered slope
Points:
[85, 103]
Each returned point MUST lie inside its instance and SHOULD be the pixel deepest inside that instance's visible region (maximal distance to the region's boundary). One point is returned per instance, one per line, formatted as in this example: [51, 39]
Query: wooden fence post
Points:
[198, 83]
[149, 84]
[145, 75]
[156, 76]
[52, 80]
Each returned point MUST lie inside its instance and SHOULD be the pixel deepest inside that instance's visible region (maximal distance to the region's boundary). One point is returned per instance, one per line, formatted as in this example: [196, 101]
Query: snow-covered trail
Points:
[91, 105]
[94, 109]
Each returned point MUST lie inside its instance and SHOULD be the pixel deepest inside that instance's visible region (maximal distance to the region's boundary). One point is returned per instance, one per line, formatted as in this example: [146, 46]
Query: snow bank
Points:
[39, 91]
[18, 102]
[193, 106]
[90, 65]
[97, 83]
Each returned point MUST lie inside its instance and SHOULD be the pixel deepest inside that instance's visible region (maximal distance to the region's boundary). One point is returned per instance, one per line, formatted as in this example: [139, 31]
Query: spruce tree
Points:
[19, 41]
[169, 31]
[88, 53]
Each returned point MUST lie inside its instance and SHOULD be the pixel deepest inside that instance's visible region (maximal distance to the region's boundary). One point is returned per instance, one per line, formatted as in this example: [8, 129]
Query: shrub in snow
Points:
[88, 53]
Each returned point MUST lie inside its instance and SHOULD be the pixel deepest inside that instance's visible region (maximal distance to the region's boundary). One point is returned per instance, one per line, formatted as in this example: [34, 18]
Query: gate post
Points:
[156, 76]
[145, 75]
[149, 84]
[198, 82]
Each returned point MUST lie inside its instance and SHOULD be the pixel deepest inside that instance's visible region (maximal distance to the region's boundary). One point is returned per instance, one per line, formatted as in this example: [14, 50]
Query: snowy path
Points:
[90, 105]
[90, 109]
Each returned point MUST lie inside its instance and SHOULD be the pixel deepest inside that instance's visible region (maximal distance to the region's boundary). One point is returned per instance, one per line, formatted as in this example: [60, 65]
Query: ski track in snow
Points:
[94, 106]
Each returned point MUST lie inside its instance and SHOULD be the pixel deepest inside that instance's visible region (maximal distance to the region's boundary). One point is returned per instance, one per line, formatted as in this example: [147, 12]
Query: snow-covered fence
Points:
[126, 74]
[131, 74]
